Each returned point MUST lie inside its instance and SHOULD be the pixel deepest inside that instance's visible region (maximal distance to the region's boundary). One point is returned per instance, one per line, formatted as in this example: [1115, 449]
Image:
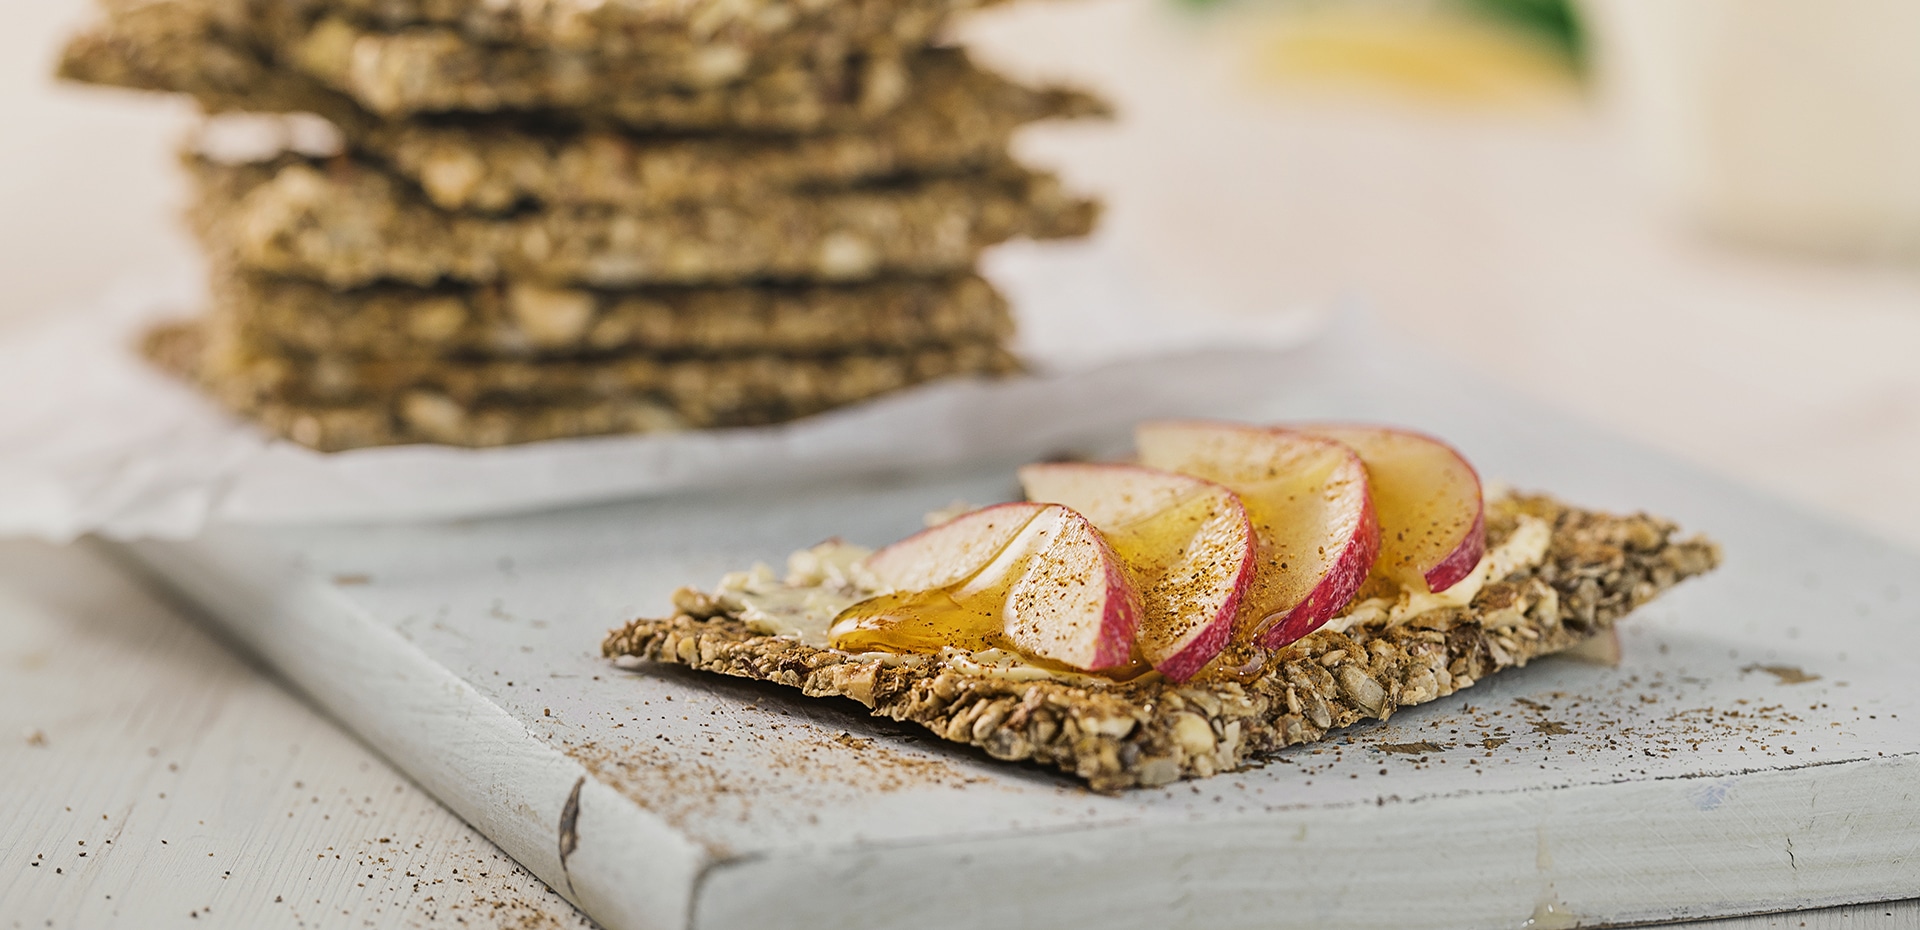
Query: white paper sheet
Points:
[95, 441]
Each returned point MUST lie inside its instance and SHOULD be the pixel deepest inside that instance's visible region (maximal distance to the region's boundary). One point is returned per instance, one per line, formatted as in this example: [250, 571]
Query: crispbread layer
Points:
[348, 224]
[181, 48]
[801, 82]
[233, 55]
[499, 403]
[680, 41]
[1150, 732]
[956, 117]
[763, 380]
[516, 321]
[625, 28]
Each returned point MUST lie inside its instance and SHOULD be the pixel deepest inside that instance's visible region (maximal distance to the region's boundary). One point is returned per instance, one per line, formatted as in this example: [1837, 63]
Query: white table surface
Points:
[1516, 243]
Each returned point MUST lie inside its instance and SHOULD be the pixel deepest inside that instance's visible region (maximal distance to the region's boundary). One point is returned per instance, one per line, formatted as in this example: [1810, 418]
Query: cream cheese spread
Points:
[1525, 547]
[820, 583]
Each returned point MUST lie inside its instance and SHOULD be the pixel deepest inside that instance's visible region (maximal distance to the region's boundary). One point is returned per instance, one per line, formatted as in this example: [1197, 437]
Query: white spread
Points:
[1525, 547]
[996, 663]
[821, 582]
[1012, 666]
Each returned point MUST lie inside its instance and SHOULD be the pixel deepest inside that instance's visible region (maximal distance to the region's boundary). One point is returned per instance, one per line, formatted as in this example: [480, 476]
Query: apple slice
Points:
[1052, 590]
[953, 551]
[1072, 601]
[1312, 513]
[1187, 543]
[1433, 527]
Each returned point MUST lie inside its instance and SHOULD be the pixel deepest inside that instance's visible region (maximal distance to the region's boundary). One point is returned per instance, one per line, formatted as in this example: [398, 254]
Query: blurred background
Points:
[1697, 222]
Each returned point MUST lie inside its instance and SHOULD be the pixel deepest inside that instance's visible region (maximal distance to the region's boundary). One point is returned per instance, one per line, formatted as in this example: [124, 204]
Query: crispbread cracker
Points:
[763, 380]
[958, 118]
[807, 82]
[232, 60]
[349, 224]
[1150, 732]
[517, 321]
[492, 403]
[625, 28]
[951, 112]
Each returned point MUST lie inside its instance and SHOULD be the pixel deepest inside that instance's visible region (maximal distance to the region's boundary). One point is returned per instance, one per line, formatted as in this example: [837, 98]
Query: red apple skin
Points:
[1333, 592]
[1117, 633]
[1402, 501]
[1274, 612]
[927, 559]
[1122, 628]
[1200, 650]
[1460, 563]
[1121, 500]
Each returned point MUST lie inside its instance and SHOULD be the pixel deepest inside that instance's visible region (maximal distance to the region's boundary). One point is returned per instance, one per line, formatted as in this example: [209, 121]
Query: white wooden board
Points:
[1690, 781]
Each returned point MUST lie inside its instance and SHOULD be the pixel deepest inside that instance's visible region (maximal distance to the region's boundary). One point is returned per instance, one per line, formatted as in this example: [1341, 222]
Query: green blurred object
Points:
[1552, 20]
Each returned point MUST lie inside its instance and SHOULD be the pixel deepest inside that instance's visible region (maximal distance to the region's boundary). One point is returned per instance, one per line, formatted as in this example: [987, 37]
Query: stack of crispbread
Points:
[496, 221]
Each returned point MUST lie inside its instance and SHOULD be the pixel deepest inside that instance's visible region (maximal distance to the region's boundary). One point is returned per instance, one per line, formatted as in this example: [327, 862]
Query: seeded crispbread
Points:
[631, 28]
[762, 380]
[532, 321]
[318, 402]
[957, 117]
[239, 54]
[1150, 732]
[349, 224]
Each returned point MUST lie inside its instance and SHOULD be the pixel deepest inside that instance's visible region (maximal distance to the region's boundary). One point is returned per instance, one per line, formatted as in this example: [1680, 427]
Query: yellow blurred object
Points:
[1424, 54]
